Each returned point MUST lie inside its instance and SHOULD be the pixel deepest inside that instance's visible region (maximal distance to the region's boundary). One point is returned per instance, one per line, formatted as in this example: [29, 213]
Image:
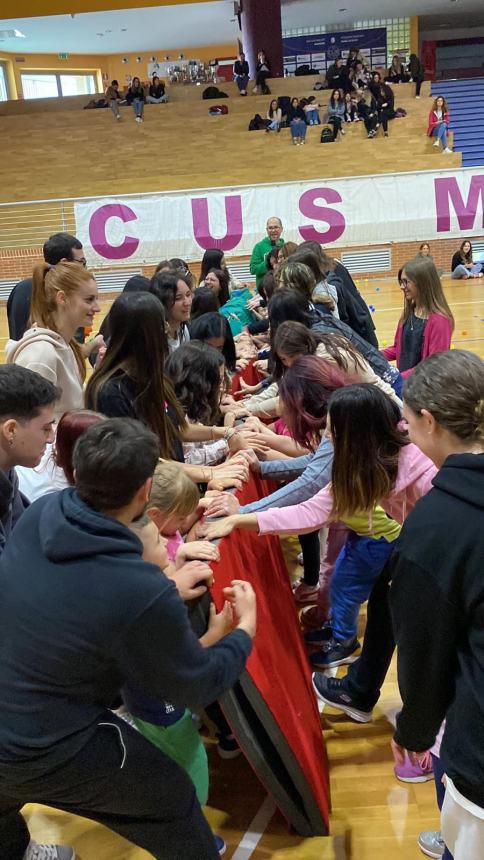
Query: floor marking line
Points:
[256, 830]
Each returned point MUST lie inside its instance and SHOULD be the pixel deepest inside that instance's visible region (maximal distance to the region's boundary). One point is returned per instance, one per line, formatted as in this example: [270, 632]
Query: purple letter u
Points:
[201, 226]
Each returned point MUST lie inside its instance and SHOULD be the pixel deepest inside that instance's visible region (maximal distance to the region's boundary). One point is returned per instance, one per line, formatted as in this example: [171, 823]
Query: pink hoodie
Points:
[414, 480]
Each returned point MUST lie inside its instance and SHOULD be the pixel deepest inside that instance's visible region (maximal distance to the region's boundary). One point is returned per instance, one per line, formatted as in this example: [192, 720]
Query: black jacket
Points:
[241, 68]
[437, 600]
[18, 309]
[157, 92]
[12, 504]
[338, 78]
[382, 94]
[352, 308]
[457, 260]
[296, 113]
[132, 94]
[80, 613]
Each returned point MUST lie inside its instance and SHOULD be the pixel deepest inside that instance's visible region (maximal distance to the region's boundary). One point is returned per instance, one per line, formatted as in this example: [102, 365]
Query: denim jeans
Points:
[312, 117]
[274, 125]
[298, 128]
[152, 101]
[138, 106]
[242, 82]
[440, 131]
[440, 792]
[462, 272]
[357, 568]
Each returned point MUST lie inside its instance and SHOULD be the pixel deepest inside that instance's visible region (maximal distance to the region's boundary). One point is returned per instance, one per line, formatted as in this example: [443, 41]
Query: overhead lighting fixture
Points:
[12, 34]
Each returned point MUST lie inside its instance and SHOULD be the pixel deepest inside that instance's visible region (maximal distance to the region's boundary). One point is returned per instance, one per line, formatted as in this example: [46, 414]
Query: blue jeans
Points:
[440, 131]
[357, 568]
[397, 385]
[274, 125]
[440, 792]
[242, 82]
[298, 128]
[313, 117]
[462, 272]
[138, 106]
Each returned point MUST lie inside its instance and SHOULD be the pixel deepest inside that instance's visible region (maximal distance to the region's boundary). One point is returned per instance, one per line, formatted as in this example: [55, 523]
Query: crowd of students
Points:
[101, 666]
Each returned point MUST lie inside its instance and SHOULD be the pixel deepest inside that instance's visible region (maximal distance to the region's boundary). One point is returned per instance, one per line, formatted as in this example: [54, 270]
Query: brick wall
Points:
[18, 263]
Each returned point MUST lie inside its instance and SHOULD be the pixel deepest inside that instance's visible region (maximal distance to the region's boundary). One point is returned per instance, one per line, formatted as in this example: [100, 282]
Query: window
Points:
[42, 85]
[3, 84]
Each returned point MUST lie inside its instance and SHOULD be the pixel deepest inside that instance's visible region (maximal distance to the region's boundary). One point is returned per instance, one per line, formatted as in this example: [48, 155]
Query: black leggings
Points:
[336, 122]
[261, 81]
[311, 557]
[418, 87]
[370, 122]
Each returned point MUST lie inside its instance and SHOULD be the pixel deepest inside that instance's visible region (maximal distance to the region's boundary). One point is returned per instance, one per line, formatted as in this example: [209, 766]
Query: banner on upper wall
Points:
[320, 50]
[359, 211]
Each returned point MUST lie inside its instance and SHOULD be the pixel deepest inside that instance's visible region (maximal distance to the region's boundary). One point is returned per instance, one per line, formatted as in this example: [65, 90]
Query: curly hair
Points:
[194, 370]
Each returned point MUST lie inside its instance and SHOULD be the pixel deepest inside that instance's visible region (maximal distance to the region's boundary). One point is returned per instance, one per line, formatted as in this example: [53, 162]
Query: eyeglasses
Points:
[404, 282]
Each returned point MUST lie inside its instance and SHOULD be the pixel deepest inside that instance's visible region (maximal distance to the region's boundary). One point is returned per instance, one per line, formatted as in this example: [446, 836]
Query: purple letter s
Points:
[336, 221]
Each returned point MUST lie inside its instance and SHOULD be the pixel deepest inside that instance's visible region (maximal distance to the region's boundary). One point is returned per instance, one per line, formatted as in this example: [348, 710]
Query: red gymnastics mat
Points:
[272, 710]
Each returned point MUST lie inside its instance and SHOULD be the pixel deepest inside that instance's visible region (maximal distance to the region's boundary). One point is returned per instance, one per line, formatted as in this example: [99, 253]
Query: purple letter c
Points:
[97, 232]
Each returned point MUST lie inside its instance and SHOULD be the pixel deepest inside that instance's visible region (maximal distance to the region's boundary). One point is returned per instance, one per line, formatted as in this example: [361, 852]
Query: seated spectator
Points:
[157, 93]
[204, 302]
[463, 265]
[297, 122]
[439, 119]
[359, 76]
[218, 281]
[354, 58]
[136, 97]
[396, 72]
[382, 104]
[114, 98]
[311, 109]
[214, 258]
[338, 76]
[241, 73]
[262, 72]
[274, 115]
[336, 112]
[351, 112]
[416, 71]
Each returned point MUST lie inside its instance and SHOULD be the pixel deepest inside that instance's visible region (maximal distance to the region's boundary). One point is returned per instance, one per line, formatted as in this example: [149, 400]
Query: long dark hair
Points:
[204, 302]
[164, 286]
[222, 276]
[305, 390]
[138, 347]
[194, 369]
[295, 339]
[367, 443]
[215, 325]
[212, 259]
[332, 99]
[466, 258]
[136, 284]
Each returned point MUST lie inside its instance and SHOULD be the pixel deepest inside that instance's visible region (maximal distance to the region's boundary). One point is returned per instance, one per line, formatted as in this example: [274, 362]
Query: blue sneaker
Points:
[220, 844]
[335, 653]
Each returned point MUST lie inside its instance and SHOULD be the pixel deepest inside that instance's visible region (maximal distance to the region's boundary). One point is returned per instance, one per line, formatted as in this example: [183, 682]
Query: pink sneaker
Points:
[304, 593]
[420, 772]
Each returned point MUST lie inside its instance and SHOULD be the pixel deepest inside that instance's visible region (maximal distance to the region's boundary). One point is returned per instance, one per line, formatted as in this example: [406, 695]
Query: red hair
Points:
[70, 427]
[305, 390]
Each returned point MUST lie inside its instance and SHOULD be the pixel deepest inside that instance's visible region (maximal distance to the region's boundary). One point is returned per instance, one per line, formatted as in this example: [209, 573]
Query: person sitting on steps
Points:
[439, 119]
[336, 112]
[274, 115]
[241, 73]
[262, 72]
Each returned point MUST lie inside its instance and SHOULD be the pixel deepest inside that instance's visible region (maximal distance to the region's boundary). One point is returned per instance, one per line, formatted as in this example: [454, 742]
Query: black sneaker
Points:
[228, 747]
[335, 653]
[318, 637]
[332, 691]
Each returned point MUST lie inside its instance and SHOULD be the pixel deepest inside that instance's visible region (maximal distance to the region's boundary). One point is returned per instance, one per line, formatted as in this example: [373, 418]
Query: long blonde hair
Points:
[431, 299]
[172, 491]
[47, 281]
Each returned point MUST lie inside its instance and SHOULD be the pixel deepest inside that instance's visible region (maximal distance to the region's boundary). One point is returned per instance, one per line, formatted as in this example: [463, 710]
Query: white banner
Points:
[372, 210]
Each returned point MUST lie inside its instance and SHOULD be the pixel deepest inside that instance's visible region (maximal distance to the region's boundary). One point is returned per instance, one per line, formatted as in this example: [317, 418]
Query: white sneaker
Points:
[49, 852]
[447, 150]
[417, 97]
[436, 143]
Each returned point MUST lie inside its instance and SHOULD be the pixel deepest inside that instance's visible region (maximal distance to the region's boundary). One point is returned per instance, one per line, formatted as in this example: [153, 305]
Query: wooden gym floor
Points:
[374, 816]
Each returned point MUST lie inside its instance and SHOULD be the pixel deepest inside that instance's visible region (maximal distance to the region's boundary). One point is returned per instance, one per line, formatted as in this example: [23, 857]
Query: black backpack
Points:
[257, 123]
[326, 135]
[212, 93]
[284, 103]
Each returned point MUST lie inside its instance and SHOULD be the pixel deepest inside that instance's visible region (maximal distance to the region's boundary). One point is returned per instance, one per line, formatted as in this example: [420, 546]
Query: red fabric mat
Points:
[250, 375]
[278, 664]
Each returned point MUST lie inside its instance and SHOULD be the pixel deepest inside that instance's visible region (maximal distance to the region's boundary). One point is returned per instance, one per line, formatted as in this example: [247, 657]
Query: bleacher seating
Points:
[465, 98]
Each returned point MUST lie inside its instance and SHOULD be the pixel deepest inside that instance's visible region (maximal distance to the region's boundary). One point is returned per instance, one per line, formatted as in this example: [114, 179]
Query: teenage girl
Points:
[274, 115]
[439, 119]
[426, 324]
[463, 265]
[64, 297]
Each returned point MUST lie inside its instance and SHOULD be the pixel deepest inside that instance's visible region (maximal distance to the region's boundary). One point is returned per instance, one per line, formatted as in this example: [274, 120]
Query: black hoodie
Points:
[437, 600]
[80, 613]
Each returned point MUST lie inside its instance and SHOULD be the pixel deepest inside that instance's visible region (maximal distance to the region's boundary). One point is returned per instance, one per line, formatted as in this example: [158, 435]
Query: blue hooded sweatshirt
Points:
[80, 613]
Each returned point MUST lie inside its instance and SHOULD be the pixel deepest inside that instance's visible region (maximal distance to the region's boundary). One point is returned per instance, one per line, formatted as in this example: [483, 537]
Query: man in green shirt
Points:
[258, 260]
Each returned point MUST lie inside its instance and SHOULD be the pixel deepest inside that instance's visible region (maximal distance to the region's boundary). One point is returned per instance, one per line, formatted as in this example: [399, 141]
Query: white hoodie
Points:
[46, 352]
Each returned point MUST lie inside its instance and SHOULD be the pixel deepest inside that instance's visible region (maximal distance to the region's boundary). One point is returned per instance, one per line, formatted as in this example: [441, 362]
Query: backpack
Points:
[217, 110]
[284, 103]
[318, 85]
[326, 135]
[257, 123]
[210, 93]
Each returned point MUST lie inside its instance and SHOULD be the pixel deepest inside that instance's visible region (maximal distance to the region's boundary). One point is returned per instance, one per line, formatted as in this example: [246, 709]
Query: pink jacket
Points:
[437, 338]
[414, 480]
